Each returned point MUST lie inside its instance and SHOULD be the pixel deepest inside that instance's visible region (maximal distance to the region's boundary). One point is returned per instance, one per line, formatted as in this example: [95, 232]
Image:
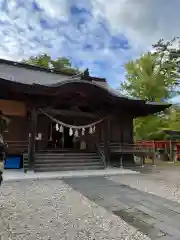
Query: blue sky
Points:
[97, 34]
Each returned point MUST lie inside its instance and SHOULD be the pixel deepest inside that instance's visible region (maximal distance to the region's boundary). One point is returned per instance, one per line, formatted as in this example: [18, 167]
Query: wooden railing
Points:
[130, 148]
[19, 147]
[101, 154]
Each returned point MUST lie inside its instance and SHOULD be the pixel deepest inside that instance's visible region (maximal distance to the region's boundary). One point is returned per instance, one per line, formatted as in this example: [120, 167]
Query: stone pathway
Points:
[18, 175]
[157, 217]
[119, 206]
[52, 210]
[158, 184]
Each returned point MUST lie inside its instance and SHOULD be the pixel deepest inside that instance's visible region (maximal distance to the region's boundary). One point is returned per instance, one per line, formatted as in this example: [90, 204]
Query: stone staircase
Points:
[67, 161]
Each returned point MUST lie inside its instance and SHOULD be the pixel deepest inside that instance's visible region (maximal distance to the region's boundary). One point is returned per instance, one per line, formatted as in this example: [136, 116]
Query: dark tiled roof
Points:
[151, 107]
[33, 67]
[102, 86]
[44, 69]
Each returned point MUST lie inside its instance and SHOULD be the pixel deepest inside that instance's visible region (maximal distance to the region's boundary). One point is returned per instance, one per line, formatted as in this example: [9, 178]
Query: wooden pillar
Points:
[171, 150]
[107, 151]
[32, 139]
[154, 154]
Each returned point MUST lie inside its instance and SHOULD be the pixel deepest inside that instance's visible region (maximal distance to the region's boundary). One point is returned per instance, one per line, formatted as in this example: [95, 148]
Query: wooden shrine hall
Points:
[60, 121]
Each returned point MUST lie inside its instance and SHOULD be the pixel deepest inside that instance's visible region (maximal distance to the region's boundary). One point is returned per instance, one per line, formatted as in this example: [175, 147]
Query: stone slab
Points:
[146, 212]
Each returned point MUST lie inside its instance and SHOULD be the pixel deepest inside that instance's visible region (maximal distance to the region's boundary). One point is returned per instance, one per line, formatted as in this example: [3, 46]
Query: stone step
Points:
[65, 151]
[68, 164]
[48, 161]
[66, 155]
[72, 168]
[55, 156]
[64, 160]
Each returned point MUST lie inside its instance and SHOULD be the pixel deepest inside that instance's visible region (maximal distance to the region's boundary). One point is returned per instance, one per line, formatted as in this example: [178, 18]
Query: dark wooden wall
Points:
[43, 127]
[18, 129]
[121, 129]
[17, 135]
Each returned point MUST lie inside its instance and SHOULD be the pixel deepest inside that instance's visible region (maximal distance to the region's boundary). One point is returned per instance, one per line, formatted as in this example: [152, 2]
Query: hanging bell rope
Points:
[57, 127]
[61, 130]
[72, 126]
[70, 132]
[90, 130]
[83, 131]
[76, 134]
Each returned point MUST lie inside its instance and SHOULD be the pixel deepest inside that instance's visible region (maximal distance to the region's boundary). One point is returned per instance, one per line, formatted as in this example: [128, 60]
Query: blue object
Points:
[12, 162]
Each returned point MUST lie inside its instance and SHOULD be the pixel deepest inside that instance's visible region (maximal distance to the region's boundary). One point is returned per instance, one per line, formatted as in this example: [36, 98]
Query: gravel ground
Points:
[51, 209]
[165, 183]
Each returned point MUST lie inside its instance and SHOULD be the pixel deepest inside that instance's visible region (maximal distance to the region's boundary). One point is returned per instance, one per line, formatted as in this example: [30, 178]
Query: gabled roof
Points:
[38, 80]
[33, 67]
[44, 69]
[138, 107]
[30, 74]
[105, 87]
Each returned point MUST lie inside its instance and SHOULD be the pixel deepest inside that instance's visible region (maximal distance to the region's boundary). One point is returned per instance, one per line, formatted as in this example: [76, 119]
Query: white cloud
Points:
[55, 9]
[142, 22]
[18, 33]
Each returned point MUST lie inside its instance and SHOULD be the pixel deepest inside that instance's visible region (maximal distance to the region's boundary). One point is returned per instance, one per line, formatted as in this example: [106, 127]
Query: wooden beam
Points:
[107, 152]
[32, 140]
[71, 102]
[71, 113]
[76, 99]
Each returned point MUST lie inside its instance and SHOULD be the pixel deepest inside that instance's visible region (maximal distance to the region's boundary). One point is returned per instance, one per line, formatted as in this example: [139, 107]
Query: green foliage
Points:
[169, 51]
[149, 128]
[174, 118]
[153, 77]
[146, 80]
[60, 64]
[40, 60]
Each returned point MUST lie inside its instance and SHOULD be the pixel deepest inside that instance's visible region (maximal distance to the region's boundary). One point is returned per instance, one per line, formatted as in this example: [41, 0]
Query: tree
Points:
[40, 60]
[174, 118]
[170, 55]
[61, 64]
[148, 78]
[145, 79]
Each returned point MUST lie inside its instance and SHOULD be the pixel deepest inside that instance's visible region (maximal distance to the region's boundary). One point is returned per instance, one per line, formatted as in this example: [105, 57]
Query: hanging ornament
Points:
[61, 129]
[57, 127]
[76, 133]
[83, 131]
[70, 132]
[50, 137]
[90, 130]
[94, 129]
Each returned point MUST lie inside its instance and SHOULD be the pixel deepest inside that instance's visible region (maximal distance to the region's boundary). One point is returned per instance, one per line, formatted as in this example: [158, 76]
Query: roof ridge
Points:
[34, 67]
[45, 69]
